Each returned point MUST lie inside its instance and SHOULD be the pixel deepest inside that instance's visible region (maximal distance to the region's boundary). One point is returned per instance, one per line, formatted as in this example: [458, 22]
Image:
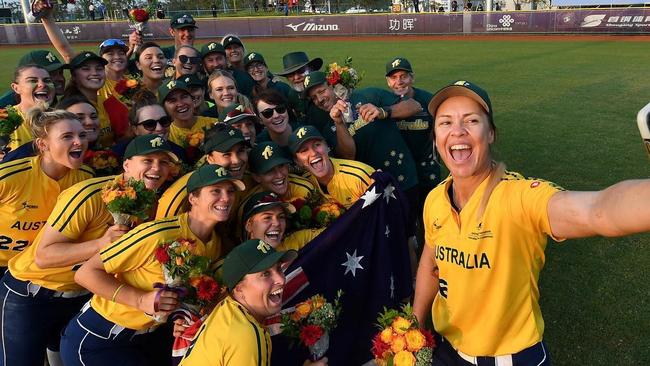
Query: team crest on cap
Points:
[240, 108]
[212, 46]
[306, 80]
[229, 39]
[396, 62]
[187, 80]
[263, 247]
[157, 142]
[171, 84]
[87, 55]
[221, 172]
[50, 57]
[251, 56]
[301, 132]
[267, 153]
[461, 83]
[231, 132]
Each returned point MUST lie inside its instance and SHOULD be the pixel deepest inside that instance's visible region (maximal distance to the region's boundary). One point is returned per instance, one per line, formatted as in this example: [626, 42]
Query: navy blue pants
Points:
[535, 355]
[31, 322]
[91, 339]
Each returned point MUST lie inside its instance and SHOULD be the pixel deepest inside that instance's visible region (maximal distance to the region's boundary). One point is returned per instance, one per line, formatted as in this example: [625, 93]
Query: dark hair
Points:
[142, 98]
[272, 96]
[143, 47]
[71, 100]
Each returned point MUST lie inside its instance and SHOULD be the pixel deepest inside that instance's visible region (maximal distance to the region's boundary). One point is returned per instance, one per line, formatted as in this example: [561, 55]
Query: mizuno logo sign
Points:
[312, 27]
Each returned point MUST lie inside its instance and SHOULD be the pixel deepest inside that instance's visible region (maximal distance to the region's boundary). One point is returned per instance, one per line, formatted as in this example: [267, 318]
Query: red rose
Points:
[333, 78]
[379, 347]
[430, 342]
[121, 87]
[140, 15]
[298, 203]
[161, 255]
[310, 334]
[207, 289]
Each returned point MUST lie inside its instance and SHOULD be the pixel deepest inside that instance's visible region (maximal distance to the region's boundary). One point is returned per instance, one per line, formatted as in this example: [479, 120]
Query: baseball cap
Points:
[252, 256]
[314, 79]
[84, 57]
[264, 201]
[169, 86]
[210, 174]
[182, 21]
[398, 63]
[294, 61]
[253, 57]
[112, 43]
[222, 137]
[192, 80]
[266, 156]
[235, 113]
[147, 144]
[461, 88]
[231, 39]
[302, 135]
[43, 58]
[211, 48]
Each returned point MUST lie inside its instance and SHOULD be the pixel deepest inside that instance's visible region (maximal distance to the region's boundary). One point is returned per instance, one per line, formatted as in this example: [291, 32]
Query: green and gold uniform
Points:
[493, 260]
[179, 135]
[26, 200]
[350, 181]
[230, 336]
[80, 215]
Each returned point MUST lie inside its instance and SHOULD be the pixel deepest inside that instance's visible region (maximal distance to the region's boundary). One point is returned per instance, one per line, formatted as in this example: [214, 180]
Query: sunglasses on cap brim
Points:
[268, 113]
[112, 43]
[150, 124]
[194, 60]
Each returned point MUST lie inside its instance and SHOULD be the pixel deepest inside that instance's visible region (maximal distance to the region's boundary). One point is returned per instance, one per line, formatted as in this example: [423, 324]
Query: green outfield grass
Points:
[565, 111]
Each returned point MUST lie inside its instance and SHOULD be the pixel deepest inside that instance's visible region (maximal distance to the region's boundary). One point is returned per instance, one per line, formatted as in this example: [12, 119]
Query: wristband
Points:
[117, 290]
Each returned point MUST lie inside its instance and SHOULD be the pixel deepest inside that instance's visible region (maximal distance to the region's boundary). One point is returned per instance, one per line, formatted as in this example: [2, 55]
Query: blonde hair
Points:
[219, 73]
[41, 118]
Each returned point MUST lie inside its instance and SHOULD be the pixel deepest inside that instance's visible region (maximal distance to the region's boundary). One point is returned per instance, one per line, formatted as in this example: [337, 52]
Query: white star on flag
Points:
[388, 192]
[352, 263]
[369, 197]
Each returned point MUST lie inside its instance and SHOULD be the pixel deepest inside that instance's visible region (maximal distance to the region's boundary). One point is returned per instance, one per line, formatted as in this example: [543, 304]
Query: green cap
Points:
[398, 63]
[192, 80]
[169, 86]
[231, 39]
[294, 61]
[314, 79]
[461, 88]
[210, 174]
[253, 57]
[212, 47]
[182, 21]
[222, 137]
[302, 135]
[147, 144]
[264, 201]
[266, 156]
[43, 58]
[235, 113]
[252, 256]
[84, 57]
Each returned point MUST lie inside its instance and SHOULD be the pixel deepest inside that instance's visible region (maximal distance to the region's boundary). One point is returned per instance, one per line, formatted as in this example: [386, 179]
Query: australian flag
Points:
[365, 254]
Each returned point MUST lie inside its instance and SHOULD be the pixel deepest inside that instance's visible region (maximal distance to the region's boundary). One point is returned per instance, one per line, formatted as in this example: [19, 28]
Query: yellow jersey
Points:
[22, 135]
[26, 200]
[80, 215]
[182, 136]
[298, 239]
[488, 302]
[230, 336]
[132, 261]
[350, 181]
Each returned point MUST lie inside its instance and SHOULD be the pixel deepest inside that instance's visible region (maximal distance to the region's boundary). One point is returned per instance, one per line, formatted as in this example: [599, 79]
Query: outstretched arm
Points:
[618, 210]
[56, 36]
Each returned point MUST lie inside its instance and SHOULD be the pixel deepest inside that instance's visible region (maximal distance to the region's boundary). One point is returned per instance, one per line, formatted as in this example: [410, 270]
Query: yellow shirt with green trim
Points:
[488, 302]
[179, 135]
[22, 135]
[350, 181]
[26, 201]
[108, 89]
[80, 215]
[106, 138]
[132, 261]
[230, 336]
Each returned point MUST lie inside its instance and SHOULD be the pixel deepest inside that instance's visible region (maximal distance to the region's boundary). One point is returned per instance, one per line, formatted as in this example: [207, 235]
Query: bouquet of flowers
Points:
[401, 342]
[140, 16]
[103, 162]
[9, 122]
[311, 321]
[314, 212]
[128, 200]
[126, 88]
[188, 272]
[344, 79]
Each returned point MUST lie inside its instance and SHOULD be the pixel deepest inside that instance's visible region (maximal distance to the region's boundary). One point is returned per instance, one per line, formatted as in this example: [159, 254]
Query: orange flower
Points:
[398, 344]
[401, 325]
[414, 340]
[179, 261]
[4, 114]
[131, 83]
[318, 301]
[303, 310]
[386, 335]
[404, 358]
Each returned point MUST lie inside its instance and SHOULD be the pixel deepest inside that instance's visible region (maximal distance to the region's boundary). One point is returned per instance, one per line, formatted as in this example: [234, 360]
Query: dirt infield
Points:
[472, 37]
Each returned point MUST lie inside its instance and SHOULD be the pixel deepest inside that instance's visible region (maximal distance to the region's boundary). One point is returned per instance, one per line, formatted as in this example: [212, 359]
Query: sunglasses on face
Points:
[268, 113]
[189, 60]
[150, 124]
